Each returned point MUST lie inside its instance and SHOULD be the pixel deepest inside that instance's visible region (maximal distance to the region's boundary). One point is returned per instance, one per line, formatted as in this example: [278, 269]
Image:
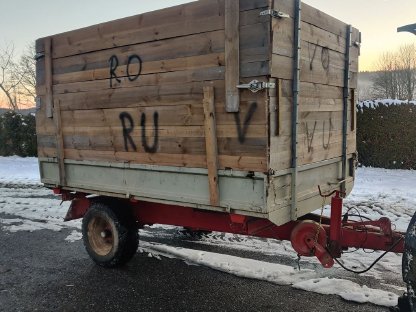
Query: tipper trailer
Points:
[225, 115]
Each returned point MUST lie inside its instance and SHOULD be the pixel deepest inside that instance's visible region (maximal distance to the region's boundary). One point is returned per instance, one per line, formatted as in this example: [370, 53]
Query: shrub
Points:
[17, 135]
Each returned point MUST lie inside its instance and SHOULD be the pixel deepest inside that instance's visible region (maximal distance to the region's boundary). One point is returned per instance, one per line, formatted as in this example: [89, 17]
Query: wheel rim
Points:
[101, 235]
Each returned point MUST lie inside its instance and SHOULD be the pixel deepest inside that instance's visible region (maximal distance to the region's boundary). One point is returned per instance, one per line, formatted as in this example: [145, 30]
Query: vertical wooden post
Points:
[275, 95]
[232, 55]
[60, 152]
[211, 145]
[48, 77]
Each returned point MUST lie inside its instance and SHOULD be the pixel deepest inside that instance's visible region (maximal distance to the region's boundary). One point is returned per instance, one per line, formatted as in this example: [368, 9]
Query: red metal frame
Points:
[338, 234]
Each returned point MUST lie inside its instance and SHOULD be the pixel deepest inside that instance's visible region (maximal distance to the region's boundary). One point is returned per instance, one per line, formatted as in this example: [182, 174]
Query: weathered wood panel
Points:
[252, 37]
[197, 17]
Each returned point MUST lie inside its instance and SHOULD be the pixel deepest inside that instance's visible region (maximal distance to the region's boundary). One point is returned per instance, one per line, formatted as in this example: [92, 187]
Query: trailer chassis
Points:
[311, 235]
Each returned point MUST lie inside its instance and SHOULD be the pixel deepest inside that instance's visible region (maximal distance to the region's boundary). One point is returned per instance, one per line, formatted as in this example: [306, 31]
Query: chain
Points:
[320, 219]
[298, 262]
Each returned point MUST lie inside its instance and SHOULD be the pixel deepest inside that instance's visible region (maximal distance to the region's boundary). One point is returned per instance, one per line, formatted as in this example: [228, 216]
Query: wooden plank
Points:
[72, 41]
[48, 77]
[163, 66]
[211, 145]
[283, 32]
[256, 164]
[245, 163]
[197, 17]
[314, 72]
[232, 55]
[319, 53]
[146, 96]
[185, 76]
[184, 115]
[255, 147]
[317, 18]
[60, 143]
[252, 37]
[223, 131]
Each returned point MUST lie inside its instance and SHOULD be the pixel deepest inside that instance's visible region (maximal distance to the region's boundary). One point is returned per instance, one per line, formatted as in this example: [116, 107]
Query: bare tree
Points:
[396, 74]
[407, 70]
[26, 69]
[8, 79]
[17, 77]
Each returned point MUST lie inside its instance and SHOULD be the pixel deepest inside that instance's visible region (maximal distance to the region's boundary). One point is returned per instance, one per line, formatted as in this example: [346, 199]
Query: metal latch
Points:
[255, 86]
[275, 14]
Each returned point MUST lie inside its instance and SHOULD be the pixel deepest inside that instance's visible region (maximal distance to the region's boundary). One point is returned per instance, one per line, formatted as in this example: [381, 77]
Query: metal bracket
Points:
[275, 14]
[255, 86]
[38, 56]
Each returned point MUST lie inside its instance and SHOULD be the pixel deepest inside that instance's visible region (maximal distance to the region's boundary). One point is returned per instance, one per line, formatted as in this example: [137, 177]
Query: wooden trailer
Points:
[221, 115]
[232, 106]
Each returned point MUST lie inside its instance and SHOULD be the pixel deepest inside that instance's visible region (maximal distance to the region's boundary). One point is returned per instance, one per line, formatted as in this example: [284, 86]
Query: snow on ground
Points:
[19, 170]
[22, 195]
[377, 193]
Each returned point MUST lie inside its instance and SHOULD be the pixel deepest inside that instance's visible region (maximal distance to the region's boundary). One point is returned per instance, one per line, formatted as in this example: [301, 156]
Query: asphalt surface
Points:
[40, 271]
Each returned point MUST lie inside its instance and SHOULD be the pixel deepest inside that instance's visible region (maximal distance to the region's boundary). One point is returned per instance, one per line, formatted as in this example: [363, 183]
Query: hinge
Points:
[275, 14]
[255, 86]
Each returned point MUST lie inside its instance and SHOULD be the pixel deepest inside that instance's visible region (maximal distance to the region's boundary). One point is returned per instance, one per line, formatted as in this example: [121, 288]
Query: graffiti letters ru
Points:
[132, 69]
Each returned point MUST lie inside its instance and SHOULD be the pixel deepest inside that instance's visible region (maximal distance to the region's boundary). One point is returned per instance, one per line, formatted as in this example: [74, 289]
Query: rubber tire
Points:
[122, 226]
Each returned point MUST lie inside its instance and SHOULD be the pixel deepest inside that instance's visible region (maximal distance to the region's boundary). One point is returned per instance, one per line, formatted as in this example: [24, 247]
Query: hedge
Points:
[386, 136]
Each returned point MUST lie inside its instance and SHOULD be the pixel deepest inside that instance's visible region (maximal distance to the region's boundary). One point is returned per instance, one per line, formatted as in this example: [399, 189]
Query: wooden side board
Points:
[319, 125]
[322, 69]
[132, 90]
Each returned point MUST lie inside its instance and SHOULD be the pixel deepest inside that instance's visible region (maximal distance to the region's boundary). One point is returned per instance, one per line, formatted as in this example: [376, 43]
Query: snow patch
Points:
[249, 268]
[276, 273]
[74, 236]
[28, 225]
[16, 169]
[348, 290]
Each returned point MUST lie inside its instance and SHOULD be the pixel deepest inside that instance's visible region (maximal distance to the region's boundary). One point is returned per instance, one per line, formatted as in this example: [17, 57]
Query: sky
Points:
[23, 21]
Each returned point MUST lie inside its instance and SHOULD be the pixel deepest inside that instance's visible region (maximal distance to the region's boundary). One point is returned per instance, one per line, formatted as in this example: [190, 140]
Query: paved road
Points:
[40, 271]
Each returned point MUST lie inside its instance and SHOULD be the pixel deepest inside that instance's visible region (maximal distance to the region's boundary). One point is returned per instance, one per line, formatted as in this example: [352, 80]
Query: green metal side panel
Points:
[239, 191]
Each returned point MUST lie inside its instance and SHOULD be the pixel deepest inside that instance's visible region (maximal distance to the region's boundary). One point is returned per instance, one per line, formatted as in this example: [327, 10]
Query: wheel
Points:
[110, 235]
